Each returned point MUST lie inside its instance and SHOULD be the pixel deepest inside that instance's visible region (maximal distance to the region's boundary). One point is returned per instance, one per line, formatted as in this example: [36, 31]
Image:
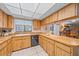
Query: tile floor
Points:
[33, 51]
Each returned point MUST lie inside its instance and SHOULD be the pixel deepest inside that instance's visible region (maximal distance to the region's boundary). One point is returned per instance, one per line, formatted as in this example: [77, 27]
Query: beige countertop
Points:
[5, 38]
[63, 39]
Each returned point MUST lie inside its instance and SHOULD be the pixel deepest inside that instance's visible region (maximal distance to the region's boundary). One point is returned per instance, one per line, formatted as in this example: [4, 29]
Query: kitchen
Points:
[39, 29]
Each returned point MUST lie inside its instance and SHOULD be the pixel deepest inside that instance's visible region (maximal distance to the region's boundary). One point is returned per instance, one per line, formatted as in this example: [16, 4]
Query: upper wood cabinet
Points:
[1, 18]
[10, 22]
[61, 14]
[68, 12]
[36, 24]
[5, 20]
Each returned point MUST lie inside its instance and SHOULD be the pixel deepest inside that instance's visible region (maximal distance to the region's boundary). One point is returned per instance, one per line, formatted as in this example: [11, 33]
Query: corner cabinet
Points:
[55, 48]
[36, 24]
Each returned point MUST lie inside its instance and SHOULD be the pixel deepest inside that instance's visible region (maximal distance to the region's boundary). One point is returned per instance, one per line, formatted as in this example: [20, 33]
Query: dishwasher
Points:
[34, 40]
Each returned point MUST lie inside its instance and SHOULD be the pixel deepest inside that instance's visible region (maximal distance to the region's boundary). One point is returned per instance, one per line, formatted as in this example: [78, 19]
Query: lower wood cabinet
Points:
[16, 43]
[13, 44]
[54, 48]
[47, 45]
[50, 47]
[26, 42]
[21, 42]
[62, 50]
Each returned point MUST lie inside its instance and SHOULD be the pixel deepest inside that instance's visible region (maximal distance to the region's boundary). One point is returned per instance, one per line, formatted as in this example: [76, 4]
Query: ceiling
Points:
[31, 10]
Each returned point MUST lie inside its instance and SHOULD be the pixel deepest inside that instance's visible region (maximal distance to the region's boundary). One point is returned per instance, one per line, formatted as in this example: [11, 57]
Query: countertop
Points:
[63, 39]
[5, 38]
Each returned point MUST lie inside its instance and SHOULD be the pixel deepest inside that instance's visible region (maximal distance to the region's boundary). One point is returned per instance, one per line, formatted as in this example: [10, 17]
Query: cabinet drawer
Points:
[64, 47]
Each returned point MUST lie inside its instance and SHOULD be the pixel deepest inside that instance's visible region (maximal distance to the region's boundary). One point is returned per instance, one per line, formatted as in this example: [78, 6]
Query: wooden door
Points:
[5, 20]
[50, 47]
[26, 42]
[40, 40]
[16, 44]
[10, 22]
[9, 47]
[44, 43]
[61, 14]
[1, 19]
[70, 11]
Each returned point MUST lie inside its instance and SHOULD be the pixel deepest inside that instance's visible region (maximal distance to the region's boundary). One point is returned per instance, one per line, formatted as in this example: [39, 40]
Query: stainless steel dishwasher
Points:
[34, 40]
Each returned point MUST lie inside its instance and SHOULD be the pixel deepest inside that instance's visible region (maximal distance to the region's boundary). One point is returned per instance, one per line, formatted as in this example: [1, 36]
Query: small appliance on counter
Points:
[3, 31]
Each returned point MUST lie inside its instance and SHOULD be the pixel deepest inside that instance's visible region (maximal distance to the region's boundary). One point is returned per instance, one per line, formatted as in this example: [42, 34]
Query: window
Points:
[22, 25]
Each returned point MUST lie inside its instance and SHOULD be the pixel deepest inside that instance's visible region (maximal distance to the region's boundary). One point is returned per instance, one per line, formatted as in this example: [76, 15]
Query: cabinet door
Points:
[61, 14]
[17, 43]
[26, 42]
[44, 43]
[36, 24]
[50, 47]
[10, 22]
[70, 11]
[5, 20]
[40, 40]
[55, 17]
[9, 47]
[1, 18]
[62, 50]
[3, 51]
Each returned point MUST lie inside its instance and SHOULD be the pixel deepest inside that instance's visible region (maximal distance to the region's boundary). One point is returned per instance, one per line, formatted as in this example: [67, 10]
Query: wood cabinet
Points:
[26, 42]
[61, 14]
[40, 40]
[10, 23]
[3, 49]
[21, 42]
[70, 11]
[5, 20]
[9, 47]
[62, 50]
[54, 48]
[50, 47]
[44, 43]
[47, 45]
[36, 24]
[67, 12]
[16, 43]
